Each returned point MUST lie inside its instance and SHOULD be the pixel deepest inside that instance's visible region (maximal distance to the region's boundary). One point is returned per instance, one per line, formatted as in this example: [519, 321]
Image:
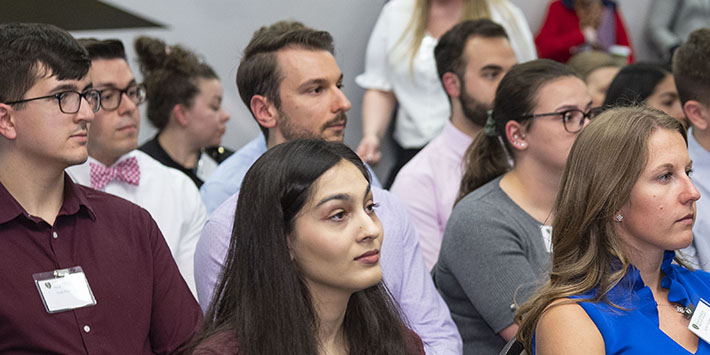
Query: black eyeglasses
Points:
[69, 101]
[573, 119]
[111, 98]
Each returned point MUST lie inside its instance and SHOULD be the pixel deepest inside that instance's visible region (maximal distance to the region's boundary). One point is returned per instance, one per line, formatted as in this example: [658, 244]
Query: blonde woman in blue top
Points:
[625, 203]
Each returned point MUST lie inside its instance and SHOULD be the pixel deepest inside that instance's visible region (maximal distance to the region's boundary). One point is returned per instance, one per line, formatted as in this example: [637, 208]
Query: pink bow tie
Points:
[126, 171]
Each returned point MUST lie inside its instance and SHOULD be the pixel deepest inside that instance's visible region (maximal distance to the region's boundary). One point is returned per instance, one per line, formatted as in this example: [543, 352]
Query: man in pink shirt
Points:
[471, 59]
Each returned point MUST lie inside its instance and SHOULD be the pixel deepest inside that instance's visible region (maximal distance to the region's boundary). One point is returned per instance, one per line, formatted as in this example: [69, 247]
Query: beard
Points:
[474, 110]
[290, 130]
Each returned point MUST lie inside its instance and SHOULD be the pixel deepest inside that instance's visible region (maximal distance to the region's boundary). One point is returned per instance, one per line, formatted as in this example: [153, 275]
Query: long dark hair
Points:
[634, 84]
[262, 297]
[516, 96]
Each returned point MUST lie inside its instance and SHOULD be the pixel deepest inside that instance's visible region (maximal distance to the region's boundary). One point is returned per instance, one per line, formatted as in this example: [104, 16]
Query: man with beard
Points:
[471, 59]
[290, 81]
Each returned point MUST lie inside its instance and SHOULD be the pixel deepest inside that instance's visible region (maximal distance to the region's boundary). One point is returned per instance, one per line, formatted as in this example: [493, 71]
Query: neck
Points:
[106, 160]
[462, 123]
[702, 137]
[176, 143]
[39, 190]
[648, 262]
[533, 188]
[330, 307]
[275, 138]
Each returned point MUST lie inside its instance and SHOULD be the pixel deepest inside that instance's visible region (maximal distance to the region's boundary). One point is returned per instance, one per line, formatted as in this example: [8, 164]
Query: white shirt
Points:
[423, 105]
[172, 200]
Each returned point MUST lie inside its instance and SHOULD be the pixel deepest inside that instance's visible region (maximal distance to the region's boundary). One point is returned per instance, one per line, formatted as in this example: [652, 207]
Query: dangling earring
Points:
[619, 217]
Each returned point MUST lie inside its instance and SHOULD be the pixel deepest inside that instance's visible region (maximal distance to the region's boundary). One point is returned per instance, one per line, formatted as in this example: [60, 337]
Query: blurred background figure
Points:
[646, 83]
[574, 26]
[670, 22]
[185, 105]
[400, 70]
[597, 69]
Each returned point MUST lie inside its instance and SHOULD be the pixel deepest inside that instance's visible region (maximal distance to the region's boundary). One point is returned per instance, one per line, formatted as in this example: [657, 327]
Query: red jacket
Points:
[560, 33]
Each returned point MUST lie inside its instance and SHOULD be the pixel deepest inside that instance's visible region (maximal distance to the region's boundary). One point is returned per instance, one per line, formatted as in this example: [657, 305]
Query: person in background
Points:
[670, 23]
[649, 84]
[84, 272]
[400, 70]
[574, 26]
[117, 167]
[496, 243]
[691, 71]
[597, 69]
[305, 101]
[185, 105]
[303, 263]
[613, 287]
[471, 60]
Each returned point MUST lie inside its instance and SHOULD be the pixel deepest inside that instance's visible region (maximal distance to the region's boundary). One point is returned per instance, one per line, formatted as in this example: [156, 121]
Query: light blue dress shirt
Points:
[698, 253]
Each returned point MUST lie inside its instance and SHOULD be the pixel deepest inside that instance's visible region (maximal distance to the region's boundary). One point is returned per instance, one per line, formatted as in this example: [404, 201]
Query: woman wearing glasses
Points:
[496, 243]
[185, 105]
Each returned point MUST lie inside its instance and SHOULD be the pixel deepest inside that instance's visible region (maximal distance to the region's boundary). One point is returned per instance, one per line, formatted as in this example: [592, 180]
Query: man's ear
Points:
[7, 122]
[698, 114]
[515, 133]
[264, 111]
[180, 112]
[452, 84]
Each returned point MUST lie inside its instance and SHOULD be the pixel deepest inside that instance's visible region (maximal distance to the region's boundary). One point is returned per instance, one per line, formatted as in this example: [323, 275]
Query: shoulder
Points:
[565, 328]
[483, 203]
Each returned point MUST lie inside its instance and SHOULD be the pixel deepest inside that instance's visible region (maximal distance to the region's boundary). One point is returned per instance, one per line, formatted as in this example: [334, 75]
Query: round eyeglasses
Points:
[69, 101]
[573, 119]
[111, 98]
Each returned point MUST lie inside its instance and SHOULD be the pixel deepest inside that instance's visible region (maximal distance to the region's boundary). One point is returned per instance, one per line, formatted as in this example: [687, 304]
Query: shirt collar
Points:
[122, 158]
[456, 139]
[74, 199]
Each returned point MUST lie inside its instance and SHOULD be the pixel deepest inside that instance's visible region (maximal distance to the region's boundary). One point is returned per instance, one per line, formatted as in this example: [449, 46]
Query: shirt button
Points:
[55, 235]
[87, 329]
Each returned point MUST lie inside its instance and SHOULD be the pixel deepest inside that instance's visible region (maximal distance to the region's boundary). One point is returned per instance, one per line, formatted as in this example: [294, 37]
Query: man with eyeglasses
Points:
[116, 166]
[83, 272]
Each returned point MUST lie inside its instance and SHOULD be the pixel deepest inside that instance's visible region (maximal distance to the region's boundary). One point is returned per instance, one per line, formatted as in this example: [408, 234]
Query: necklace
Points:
[686, 311]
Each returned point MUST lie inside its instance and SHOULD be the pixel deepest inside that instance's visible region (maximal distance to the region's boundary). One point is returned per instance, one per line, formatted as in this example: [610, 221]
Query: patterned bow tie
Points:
[126, 171]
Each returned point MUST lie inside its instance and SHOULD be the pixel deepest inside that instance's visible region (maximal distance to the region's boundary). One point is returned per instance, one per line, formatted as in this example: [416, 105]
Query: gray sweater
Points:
[492, 256]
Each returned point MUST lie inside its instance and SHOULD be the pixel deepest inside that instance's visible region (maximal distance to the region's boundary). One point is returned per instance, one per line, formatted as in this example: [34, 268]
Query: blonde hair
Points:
[473, 9]
[602, 167]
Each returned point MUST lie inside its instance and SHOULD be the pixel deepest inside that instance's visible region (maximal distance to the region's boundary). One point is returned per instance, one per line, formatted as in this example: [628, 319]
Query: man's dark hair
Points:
[449, 51]
[104, 48]
[30, 51]
[691, 68]
[259, 73]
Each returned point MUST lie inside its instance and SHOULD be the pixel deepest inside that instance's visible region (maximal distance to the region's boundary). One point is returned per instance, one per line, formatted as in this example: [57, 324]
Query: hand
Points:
[369, 149]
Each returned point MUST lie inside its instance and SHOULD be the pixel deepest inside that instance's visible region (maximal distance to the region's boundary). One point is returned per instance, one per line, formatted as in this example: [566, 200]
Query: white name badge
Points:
[546, 232]
[700, 322]
[64, 290]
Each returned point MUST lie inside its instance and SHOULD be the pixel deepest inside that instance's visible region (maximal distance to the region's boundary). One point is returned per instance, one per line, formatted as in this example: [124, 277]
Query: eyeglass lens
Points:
[70, 101]
[111, 98]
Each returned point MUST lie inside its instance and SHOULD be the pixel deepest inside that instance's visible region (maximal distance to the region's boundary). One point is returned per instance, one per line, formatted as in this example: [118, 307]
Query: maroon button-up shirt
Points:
[143, 305]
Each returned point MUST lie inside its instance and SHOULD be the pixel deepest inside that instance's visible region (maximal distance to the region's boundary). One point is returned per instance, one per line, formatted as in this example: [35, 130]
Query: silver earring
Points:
[619, 217]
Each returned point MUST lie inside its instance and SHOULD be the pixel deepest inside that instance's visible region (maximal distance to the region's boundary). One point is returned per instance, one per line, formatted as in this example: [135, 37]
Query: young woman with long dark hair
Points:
[302, 273]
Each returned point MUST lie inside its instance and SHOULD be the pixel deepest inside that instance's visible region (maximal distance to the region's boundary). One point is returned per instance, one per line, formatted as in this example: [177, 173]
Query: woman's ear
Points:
[181, 114]
[515, 133]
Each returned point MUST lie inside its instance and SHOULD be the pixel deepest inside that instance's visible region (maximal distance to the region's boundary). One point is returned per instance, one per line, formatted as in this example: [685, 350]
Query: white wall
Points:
[220, 29]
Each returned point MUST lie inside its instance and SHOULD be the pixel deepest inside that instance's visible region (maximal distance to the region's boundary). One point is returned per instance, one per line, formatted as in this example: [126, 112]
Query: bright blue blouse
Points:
[636, 330]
